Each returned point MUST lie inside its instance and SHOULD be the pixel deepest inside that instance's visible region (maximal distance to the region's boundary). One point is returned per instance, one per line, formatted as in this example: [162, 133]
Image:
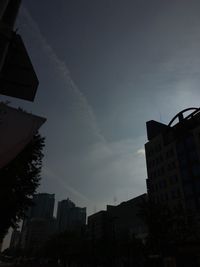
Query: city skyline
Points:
[105, 68]
[113, 176]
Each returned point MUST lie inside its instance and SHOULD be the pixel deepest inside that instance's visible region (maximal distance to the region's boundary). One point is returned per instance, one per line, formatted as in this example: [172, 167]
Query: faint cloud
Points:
[141, 152]
[63, 70]
[56, 176]
[99, 169]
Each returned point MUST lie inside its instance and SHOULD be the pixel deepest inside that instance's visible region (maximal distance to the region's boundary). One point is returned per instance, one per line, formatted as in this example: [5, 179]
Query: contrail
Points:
[62, 68]
[58, 178]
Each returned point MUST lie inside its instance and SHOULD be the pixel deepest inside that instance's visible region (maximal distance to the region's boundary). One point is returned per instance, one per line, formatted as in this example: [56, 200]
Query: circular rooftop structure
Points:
[180, 115]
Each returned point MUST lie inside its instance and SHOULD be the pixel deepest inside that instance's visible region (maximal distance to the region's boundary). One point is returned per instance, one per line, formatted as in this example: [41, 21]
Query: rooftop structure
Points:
[173, 161]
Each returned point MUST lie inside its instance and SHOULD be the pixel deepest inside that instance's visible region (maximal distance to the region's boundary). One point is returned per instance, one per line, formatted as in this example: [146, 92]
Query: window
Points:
[190, 142]
[152, 188]
[186, 177]
[170, 153]
[182, 159]
[163, 169]
[188, 190]
[171, 165]
[173, 179]
[196, 170]
[190, 204]
[193, 155]
[175, 193]
[197, 186]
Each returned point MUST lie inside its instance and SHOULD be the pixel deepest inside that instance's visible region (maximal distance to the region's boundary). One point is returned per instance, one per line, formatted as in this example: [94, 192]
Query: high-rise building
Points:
[36, 232]
[173, 161]
[70, 217]
[39, 224]
[43, 206]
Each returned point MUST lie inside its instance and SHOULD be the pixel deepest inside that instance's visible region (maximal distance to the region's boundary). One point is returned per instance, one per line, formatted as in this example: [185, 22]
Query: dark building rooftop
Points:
[190, 121]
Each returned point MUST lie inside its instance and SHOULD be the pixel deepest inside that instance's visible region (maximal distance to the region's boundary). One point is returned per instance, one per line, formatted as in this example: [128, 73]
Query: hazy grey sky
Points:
[105, 68]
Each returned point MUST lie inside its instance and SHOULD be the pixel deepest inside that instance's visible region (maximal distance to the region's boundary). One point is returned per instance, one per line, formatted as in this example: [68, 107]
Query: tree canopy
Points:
[18, 182]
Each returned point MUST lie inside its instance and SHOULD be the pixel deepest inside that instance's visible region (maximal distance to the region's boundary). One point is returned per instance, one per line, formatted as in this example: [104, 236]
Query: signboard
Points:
[17, 77]
[17, 128]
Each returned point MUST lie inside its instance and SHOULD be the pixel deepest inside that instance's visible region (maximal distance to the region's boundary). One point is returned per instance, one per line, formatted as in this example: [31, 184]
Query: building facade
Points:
[15, 239]
[98, 226]
[36, 232]
[173, 162]
[70, 217]
[126, 219]
[39, 224]
[43, 206]
[121, 222]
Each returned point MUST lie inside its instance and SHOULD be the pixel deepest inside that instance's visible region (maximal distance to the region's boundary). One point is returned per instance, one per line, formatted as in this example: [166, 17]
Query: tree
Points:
[67, 247]
[18, 182]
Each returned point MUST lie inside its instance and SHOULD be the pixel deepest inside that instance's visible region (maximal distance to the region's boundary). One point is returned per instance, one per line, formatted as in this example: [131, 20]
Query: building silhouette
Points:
[15, 239]
[36, 232]
[70, 217]
[43, 206]
[98, 225]
[121, 222]
[173, 162]
[39, 223]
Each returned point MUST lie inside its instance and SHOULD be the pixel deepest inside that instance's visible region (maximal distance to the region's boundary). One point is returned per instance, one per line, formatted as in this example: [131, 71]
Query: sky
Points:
[106, 67]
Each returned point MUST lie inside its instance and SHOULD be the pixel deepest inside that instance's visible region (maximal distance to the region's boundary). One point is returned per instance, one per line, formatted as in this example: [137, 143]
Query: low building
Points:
[119, 222]
[126, 220]
[98, 226]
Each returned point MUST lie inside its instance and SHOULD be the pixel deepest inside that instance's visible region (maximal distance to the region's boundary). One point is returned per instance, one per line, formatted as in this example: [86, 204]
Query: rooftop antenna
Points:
[115, 200]
[95, 209]
[160, 116]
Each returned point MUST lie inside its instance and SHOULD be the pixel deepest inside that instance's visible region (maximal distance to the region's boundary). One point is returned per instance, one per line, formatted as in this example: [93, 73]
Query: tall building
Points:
[173, 161]
[39, 224]
[70, 217]
[36, 232]
[43, 206]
